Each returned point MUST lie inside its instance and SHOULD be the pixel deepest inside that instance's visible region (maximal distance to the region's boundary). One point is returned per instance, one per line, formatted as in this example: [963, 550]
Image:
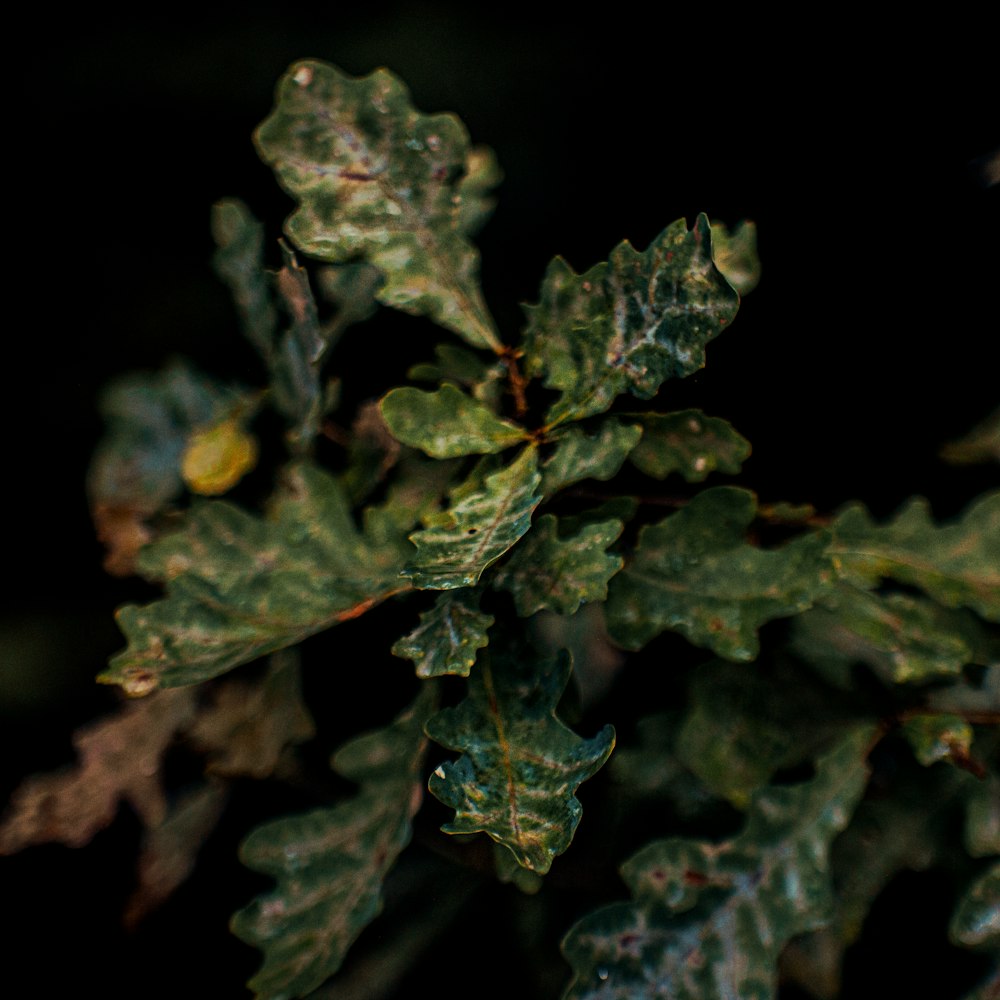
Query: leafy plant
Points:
[839, 688]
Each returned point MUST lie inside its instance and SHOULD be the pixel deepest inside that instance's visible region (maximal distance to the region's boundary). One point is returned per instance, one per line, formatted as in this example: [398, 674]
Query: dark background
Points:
[871, 340]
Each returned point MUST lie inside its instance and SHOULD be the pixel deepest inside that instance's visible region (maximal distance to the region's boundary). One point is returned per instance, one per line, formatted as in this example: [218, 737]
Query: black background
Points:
[871, 340]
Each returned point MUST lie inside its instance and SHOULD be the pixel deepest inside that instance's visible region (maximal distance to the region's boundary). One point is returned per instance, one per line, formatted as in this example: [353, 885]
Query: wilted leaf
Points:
[330, 863]
[239, 262]
[981, 444]
[120, 759]
[629, 324]
[447, 423]
[937, 738]
[694, 573]
[547, 571]
[486, 518]
[579, 455]
[240, 586]
[958, 564]
[247, 724]
[169, 851]
[377, 179]
[448, 637]
[520, 766]
[976, 921]
[689, 443]
[710, 920]
[904, 639]
[136, 470]
[735, 255]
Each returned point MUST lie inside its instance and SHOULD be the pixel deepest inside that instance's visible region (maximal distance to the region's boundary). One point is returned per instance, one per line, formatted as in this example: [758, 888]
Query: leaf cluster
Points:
[507, 504]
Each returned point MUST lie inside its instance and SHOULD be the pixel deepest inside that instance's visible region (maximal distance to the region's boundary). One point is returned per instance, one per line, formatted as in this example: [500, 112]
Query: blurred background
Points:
[871, 341]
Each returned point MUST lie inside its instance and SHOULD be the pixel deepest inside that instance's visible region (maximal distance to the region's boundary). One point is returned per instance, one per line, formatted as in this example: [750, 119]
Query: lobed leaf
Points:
[689, 443]
[520, 766]
[240, 586]
[580, 456]
[629, 324]
[710, 920]
[694, 573]
[958, 564]
[488, 515]
[330, 864]
[547, 571]
[735, 255]
[447, 423]
[374, 178]
[937, 738]
[448, 636]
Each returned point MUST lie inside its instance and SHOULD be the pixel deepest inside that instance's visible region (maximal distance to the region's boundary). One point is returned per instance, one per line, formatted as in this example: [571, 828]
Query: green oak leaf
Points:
[976, 921]
[903, 638]
[957, 564]
[239, 586]
[694, 573]
[448, 636]
[447, 423]
[689, 443]
[579, 455]
[476, 200]
[330, 864]
[735, 255]
[709, 920]
[629, 324]
[375, 178]
[937, 738]
[547, 571]
[489, 513]
[520, 766]
[239, 262]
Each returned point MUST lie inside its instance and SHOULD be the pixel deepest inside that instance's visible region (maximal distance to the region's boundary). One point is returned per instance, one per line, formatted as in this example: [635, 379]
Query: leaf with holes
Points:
[377, 179]
[488, 516]
[330, 864]
[448, 637]
[695, 573]
[710, 919]
[629, 324]
[520, 766]
[240, 586]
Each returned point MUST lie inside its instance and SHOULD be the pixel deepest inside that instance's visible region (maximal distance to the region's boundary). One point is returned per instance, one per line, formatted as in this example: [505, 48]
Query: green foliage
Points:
[780, 653]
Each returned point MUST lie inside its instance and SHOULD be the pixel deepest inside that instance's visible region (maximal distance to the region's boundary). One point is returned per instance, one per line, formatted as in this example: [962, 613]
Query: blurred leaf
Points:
[330, 864]
[240, 586]
[629, 324]
[448, 636]
[735, 254]
[476, 201]
[136, 469]
[976, 921]
[580, 456]
[989, 989]
[982, 819]
[520, 766]
[547, 571]
[689, 443]
[734, 905]
[352, 289]
[376, 179]
[447, 423]
[247, 724]
[904, 639]
[487, 517]
[119, 760]
[239, 262]
[937, 738]
[958, 564]
[217, 456]
[371, 452]
[694, 573]
[980, 445]
[169, 851]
